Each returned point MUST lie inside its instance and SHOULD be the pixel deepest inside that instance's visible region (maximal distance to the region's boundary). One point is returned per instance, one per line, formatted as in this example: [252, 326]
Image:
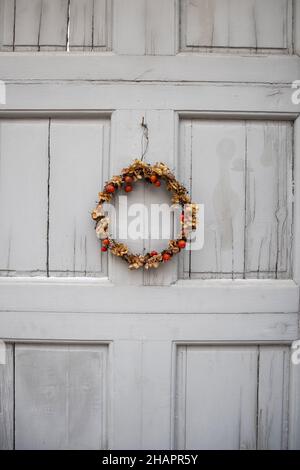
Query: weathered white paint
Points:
[297, 27]
[254, 25]
[62, 390]
[90, 25]
[40, 24]
[210, 424]
[78, 155]
[268, 218]
[263, 26]
[129, 338]
[179, 68]
[188, 296]
[242, 173]
[294, 406]
[6, 25]
[296, 248]
[53, 25]
[142, 393]
[273, 390]
[97, 327]
[213, 162]
[252, 381]
[257, 101]
[7, 400]
[145, 32]
[23, 196]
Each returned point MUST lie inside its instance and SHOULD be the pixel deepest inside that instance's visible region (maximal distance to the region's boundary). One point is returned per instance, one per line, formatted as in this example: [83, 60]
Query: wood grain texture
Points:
[201, 419]
[98, 326]
[215, 174]
[204, 296]
[90, 25]
[23, 196]
[296, 246]
[235, 24]
[242, 173]
[146, 402]
[162, 127]
[53, 25]
[128, 143]
[215, 100]
[161, 27]
[268, 216]
[297, 27]
[27, 24]
[294, 403]
[78, 159]
[6, 25]
[150, 33]
[226, 25]
[273, 396]
[7, 399]
[232, 69]
[253, 382]
[61, 393]
[41, 24]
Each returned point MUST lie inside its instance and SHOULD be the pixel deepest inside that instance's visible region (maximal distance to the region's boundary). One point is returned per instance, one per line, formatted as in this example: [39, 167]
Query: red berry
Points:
[182, 217]
[110, 188]
[104, 248]
[166, 256]
[105, 242]
[153, 253]
[157, 183]
[181, 244]
[128, 179]
[128, 188]
[153, 178]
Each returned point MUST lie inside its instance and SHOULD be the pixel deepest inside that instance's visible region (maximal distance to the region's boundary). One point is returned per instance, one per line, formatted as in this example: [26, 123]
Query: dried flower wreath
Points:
[153, 174]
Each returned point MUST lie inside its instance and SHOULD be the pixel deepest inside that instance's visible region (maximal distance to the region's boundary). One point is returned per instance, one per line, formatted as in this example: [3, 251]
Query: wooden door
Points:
[198, 353]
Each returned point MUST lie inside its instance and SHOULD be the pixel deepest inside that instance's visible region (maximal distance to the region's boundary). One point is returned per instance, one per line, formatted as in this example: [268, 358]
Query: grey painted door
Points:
[198, 353]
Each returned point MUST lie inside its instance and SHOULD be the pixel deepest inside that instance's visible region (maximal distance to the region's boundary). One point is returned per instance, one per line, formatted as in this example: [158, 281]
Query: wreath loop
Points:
[153, 174]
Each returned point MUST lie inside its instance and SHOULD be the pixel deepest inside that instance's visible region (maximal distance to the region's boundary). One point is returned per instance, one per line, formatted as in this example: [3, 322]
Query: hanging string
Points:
[145, 138]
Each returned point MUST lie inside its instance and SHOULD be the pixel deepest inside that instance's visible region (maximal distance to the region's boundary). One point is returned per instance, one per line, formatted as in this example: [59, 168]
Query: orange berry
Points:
[153, 178]
[105, 242]
[104, 248]
[128, 179]
[110, 188]
[166, 256]
[157, 183]
[181, 244]
[153, 253]
[128, 188]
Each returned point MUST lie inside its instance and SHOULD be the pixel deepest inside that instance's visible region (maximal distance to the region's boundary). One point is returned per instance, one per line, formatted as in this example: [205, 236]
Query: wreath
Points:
[153, 174]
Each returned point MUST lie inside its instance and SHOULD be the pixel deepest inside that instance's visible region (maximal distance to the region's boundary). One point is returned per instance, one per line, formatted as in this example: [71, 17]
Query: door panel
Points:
[242, 172]
[231, 397]
[61, 394]
[7, 432]
[252, 26]
[51, 173]
[225, 24]
[23, 197]
[78, 151]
